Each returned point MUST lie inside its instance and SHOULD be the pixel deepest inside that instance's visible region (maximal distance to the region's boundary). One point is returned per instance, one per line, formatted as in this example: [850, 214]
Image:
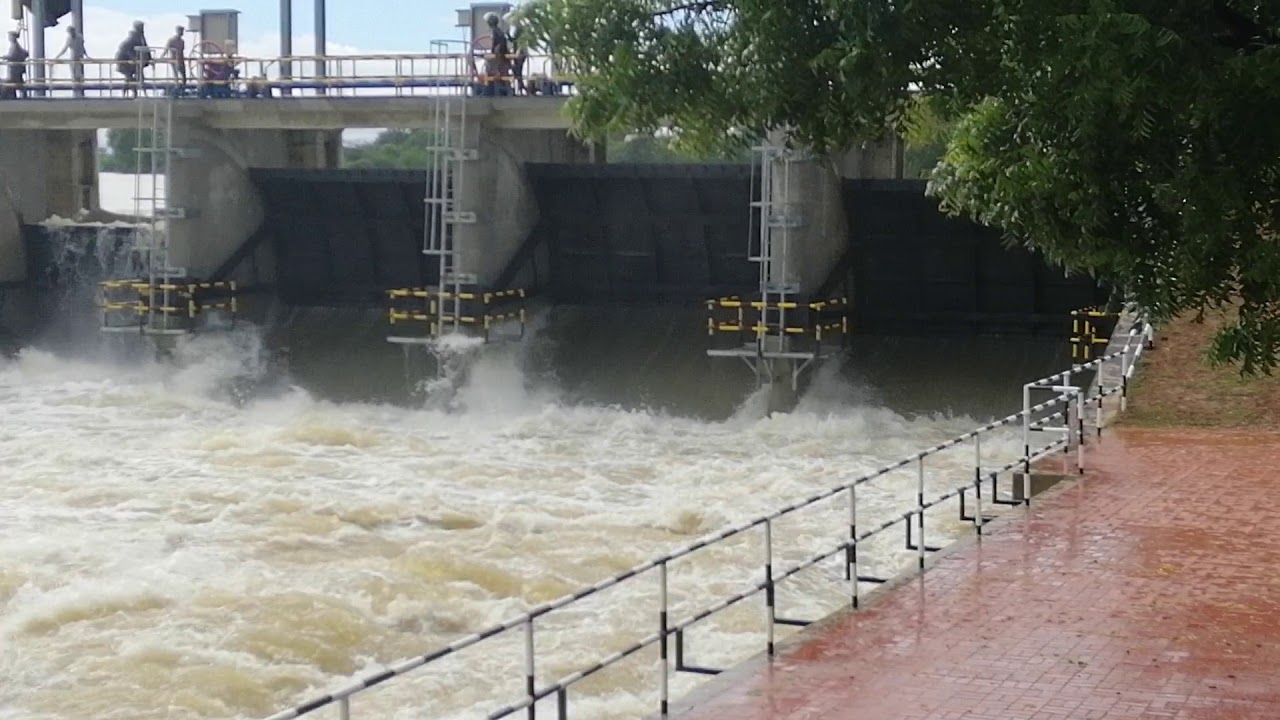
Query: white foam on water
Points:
[168, 553]
[59, 221]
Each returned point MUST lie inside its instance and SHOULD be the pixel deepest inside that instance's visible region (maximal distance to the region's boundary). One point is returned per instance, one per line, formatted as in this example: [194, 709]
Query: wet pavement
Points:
[1151, 589]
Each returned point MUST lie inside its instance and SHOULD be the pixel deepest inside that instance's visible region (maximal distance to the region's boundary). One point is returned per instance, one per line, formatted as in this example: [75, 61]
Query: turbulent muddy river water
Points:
[166, 552]
[186, 540]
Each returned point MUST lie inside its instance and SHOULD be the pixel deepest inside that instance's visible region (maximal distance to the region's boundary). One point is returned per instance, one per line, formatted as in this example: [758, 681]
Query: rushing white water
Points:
[168, 554]
[168, 550]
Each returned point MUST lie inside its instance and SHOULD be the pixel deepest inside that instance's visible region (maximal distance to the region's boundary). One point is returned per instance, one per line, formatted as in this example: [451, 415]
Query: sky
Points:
[353, 26]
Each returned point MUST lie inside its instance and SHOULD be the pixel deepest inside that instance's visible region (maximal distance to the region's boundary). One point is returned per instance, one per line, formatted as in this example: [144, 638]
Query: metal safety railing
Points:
[747, 317]
[222, 74]
[479, 311]
[1066, 404]
[1087, 331]
[131, 305]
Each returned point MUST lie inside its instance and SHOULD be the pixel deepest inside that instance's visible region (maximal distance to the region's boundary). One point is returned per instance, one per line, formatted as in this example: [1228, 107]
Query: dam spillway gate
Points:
[662, 233]
[639, 235]
[646, 234]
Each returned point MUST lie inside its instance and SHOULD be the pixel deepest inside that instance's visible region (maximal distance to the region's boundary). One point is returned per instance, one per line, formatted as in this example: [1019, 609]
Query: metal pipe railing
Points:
[397, 74]
[1067, 402]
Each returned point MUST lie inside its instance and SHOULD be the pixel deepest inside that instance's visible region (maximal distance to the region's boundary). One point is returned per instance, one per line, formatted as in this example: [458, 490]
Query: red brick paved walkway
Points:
[1150, 590]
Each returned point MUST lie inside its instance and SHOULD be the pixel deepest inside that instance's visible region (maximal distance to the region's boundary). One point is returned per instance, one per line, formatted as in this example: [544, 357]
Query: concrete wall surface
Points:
[298, 113]
[812, 195]
[496, 187]
[874, 160]
[42, 173]
[13, 263]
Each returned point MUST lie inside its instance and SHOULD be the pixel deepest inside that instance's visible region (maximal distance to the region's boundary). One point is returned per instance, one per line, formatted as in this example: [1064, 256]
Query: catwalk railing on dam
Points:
[1061, 417]
[214, 73]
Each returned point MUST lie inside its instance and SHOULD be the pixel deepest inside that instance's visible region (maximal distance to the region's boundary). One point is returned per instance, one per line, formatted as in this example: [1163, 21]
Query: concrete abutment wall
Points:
[47, 173]
[42, 173]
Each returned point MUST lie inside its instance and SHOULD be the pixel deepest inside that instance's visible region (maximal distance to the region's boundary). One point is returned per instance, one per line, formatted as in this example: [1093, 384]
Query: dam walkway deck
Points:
[1146, 590]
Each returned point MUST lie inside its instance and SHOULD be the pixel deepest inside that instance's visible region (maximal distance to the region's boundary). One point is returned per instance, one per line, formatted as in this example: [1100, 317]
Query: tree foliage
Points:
[928, 130]
[121, 155]
[392, 149]
[408, 150]
[640, 148]
[1130, 139]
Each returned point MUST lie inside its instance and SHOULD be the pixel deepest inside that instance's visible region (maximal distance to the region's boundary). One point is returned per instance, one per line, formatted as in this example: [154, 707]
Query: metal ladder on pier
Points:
[153, 298]
[450, 301]
[159, 299]
[450, 157]
[778, 318]
[419, 315]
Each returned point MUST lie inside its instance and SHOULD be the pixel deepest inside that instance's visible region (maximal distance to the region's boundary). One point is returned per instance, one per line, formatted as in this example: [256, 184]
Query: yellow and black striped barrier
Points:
[754, 319]
[1087, 331]
[140, 298]
[470, 308]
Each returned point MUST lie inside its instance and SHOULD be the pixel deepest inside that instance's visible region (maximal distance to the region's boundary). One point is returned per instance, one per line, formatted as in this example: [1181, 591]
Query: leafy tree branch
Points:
[1129, 139]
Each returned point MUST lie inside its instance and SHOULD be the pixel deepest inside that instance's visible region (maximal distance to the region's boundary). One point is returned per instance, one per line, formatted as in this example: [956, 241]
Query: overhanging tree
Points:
[1131, 139]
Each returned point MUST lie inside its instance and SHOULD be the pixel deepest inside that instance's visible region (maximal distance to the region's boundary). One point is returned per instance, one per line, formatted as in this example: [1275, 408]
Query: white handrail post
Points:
[1070, 436]
[1080, 431]
[1026, 444]
[768, 585]
[344, 708]
[1064, 381]
[1098, 414]
[1124, 374]
[853, 543]
[529, 684]
[977, 481]
[665, 696]
[920, 510]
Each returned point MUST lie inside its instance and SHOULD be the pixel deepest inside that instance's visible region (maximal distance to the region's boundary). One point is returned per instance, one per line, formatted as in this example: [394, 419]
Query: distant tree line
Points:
[393, 150]
[120, 154]
[409, 150]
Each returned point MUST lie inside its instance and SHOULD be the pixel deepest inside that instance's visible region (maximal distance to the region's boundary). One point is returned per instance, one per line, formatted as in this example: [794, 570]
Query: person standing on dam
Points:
[519, 48]
[75, 46]
[498, 64]
[132, 58]
[16, 76]
[176, 50]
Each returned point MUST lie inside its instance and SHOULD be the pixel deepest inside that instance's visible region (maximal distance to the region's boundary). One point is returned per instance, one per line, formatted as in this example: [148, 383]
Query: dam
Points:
[271, 508]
